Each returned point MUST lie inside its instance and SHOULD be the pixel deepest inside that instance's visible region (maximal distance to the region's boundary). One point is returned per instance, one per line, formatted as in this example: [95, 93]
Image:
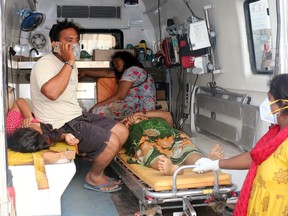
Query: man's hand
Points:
[67, 52]
[206, 164]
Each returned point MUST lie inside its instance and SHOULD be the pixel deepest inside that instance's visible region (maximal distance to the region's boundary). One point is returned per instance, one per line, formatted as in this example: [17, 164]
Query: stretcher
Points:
[156, 191]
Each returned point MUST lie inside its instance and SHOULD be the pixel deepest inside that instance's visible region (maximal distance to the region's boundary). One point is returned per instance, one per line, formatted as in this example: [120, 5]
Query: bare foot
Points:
[166, 166]
[216, 152]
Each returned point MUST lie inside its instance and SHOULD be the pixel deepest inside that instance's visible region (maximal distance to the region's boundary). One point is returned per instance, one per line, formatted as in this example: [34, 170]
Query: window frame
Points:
[117, 33]
[250, 40]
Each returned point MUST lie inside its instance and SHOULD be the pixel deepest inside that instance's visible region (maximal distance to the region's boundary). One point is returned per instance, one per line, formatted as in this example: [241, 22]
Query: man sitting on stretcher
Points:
[153, 142]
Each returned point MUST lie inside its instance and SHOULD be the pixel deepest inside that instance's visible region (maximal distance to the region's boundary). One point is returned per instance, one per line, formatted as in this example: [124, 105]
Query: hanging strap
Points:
[40, 172]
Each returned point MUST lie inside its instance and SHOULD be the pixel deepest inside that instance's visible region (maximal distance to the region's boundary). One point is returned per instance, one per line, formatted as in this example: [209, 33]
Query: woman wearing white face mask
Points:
[265, 190]
[266, 113]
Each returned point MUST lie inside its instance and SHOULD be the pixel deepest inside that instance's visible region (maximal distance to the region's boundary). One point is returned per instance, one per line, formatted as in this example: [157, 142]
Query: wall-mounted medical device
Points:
[187, 56]
[171, 51]
[198, 35]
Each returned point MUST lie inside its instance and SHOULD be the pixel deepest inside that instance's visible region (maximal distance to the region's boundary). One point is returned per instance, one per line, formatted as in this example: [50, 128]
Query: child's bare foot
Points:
[166, 166]
[216, 152]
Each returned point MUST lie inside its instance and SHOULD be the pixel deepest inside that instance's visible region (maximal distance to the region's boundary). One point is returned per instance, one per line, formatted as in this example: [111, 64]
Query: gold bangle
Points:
[68, 63]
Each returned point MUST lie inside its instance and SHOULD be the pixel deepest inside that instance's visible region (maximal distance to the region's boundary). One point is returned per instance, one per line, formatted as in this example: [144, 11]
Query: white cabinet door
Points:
[86, 95]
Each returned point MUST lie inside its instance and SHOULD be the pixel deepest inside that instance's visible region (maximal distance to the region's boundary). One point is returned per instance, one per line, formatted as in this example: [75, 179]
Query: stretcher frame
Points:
[149, 198]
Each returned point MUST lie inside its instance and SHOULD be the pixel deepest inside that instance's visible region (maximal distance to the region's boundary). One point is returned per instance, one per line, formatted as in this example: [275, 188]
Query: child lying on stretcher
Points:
[153, 142]
[26, 134]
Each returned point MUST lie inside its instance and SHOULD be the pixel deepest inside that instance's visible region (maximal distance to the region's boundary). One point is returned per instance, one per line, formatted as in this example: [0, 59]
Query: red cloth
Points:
[262, 150]
[14, 120]
[12, 197]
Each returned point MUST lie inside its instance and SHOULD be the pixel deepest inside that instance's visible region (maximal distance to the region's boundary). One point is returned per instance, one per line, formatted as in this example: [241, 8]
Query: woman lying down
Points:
[26, 134]
[153, 142]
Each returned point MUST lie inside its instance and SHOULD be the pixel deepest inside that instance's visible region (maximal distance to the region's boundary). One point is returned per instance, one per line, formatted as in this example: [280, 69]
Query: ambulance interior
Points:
[211, 62]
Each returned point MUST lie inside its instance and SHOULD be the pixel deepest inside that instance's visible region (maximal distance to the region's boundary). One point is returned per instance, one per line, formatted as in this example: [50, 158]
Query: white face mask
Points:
[265, 112]
[76, 50]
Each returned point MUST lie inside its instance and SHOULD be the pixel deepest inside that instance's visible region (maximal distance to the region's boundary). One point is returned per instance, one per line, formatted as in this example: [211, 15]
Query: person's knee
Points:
[121, 132]
[114, 144]
[125, 133]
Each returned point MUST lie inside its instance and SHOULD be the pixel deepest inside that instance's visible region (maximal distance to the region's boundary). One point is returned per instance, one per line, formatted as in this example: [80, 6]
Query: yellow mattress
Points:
[18, 158]
[161, 182]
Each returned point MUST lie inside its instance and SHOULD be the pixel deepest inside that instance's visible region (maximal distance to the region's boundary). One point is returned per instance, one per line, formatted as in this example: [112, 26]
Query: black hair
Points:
[279, 90]
[129, 60]
[26, 140]
[60, 26]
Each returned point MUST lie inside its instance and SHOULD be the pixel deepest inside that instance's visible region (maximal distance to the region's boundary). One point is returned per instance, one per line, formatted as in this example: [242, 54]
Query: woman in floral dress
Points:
[136, 89]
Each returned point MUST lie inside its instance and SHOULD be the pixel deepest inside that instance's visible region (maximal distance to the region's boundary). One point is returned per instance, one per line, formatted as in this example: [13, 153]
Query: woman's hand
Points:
[134, 119]
[142, 114]
[26, 122]
[71, 139]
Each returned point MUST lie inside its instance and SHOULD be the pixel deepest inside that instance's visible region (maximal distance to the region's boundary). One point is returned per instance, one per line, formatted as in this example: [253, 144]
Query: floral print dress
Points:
[140, 98]
[153, 137]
